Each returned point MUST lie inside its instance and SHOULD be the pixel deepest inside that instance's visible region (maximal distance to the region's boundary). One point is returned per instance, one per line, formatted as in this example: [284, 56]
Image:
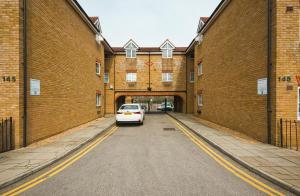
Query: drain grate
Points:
[169, 129]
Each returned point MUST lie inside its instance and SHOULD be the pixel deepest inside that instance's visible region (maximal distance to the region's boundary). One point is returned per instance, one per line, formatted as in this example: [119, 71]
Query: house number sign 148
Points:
[9, 78]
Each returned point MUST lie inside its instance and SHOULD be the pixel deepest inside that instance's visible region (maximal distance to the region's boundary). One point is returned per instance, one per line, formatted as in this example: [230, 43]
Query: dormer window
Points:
[130, 49]
[167, 49]
[130, 53]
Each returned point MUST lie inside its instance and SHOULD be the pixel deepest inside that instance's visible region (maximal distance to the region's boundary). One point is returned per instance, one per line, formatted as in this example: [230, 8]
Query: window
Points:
[106, 78]
[98, 69]
[167, 77]
[167, 50]
[192, 76]
[129, 107]
[98, 100]
[200, 100]
[298, 105]
[131, 77]
[167, 53]
[131, 49]
[200, 67]
[130, 53]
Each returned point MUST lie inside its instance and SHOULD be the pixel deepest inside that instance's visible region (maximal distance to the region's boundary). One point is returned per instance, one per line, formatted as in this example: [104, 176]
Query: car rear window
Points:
[129, 107]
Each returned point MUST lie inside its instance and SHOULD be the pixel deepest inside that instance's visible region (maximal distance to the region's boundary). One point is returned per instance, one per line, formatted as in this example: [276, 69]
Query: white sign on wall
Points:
[262, 86]
[35, 87]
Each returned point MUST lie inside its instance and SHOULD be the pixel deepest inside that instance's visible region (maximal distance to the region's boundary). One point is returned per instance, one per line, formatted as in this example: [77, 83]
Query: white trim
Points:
[147, 53]
[131, 53]
[200, 25]
[98, 100]
[200, 100]
[167, 77]
[98, 66]
[131, 77]
[200, 71]
[106, 76]
[167, 41]
[130, 42]
[169, 53]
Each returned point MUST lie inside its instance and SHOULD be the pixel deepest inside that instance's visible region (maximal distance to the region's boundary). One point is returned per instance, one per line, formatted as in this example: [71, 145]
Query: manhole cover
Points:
[169, 129]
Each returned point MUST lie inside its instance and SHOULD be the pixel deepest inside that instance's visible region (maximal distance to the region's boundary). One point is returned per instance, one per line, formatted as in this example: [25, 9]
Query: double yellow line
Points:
[226, 164]
[20, 189]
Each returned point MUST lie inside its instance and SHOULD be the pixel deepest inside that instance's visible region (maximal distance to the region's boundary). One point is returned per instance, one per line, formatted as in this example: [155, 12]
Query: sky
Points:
[149, 22]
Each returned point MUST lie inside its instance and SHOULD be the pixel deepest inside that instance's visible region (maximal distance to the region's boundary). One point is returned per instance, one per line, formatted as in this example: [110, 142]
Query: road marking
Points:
[226, 164]
[28, 185]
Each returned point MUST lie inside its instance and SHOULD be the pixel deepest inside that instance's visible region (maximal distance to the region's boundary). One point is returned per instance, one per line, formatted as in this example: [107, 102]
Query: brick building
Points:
[55, 55]
[148, 71]
[247, 64]
[241, 71]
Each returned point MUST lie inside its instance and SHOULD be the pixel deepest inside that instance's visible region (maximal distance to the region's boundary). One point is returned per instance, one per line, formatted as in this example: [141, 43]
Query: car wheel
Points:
[142, 123]
[117, 123]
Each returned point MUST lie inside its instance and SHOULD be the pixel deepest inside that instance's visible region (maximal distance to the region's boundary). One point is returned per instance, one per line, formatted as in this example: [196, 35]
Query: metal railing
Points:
[288, 134]
[6, 134]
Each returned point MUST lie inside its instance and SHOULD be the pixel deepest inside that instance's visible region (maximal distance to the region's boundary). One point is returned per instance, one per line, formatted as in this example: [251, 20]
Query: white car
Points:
[130, 113]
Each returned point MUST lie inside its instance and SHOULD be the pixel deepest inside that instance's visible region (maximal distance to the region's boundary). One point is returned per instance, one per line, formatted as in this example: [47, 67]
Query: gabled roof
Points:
[96, 21]
[201, 23]
[94, 18]
[204, 19]
[131, 43]
[167, 42]
[222, 5]
[150, 49]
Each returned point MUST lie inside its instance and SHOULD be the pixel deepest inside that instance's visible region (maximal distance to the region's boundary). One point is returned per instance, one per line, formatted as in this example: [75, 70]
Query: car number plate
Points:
[128, 113]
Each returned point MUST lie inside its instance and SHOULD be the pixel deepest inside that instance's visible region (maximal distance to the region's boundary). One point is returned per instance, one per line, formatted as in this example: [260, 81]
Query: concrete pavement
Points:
[154, 159]
[280, 166]
[18, 164]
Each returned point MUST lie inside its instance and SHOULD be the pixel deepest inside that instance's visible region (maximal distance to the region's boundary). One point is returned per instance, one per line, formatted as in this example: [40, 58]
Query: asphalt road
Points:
[146, 160]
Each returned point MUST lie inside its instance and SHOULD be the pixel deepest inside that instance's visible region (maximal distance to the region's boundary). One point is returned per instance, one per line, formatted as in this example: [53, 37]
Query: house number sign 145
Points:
[9, 78]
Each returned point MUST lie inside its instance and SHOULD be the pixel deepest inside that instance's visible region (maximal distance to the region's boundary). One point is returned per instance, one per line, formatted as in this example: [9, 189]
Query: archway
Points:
[178, 104]
[120, 101]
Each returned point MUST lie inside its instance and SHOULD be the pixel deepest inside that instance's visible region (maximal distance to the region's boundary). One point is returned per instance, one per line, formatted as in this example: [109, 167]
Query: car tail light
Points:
[119, 113]
[137, 112]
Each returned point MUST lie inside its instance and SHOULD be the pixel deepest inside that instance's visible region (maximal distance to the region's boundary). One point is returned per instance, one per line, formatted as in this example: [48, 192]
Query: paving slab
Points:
[280, 166]
[18, 164]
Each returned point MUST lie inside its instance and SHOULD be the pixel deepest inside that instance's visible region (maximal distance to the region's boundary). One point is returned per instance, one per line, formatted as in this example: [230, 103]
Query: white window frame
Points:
[200, 69]
[131, 77]
[192, 77]
[167, 77]
[106, 78]
[298, 104]
[98, 68]
[167, 53]
[130, 53]
[98, 100]
[200, 100]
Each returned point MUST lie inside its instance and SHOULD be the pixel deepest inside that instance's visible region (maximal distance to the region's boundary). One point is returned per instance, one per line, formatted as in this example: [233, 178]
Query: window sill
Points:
[192, 82]
[99, 75]
[131, 81]
[167, 81]
[200, 75]
[130, 57]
